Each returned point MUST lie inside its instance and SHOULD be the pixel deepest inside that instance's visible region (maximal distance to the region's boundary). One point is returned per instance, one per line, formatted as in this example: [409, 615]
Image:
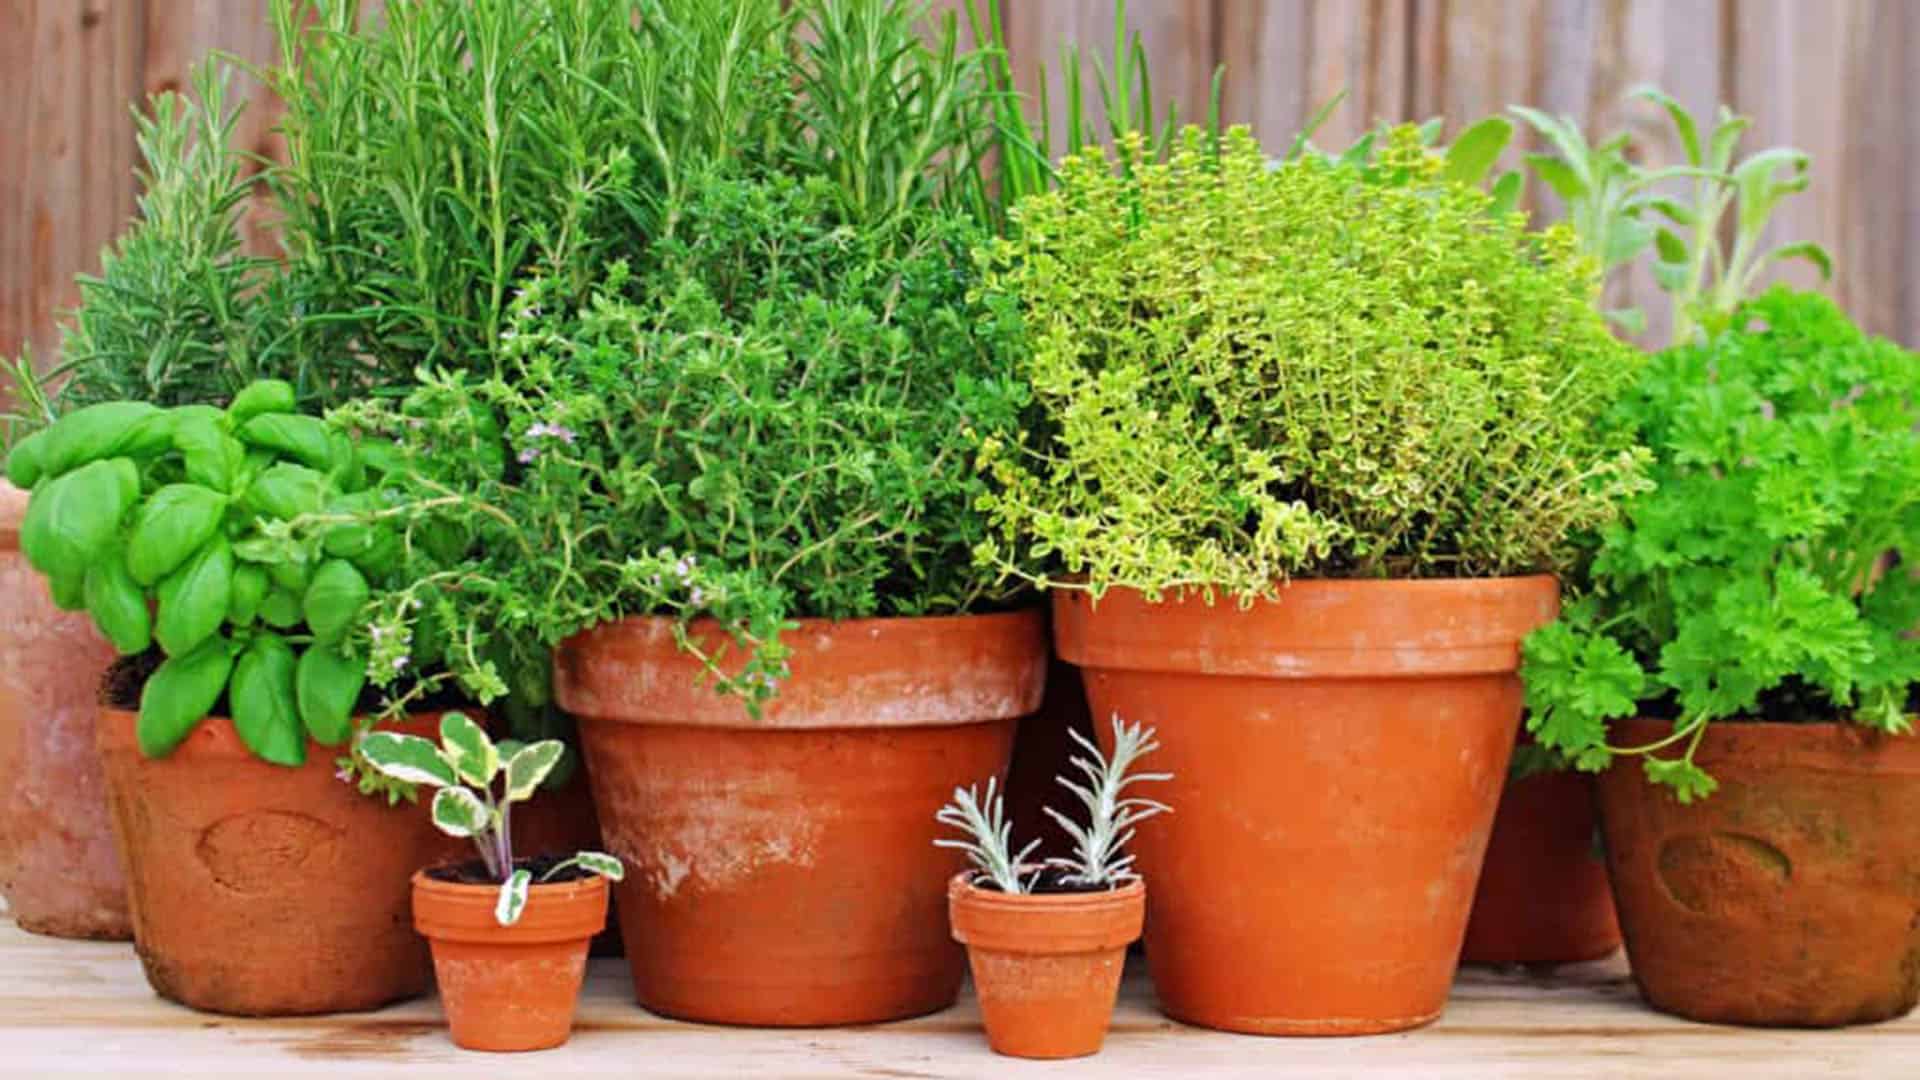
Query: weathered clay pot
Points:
[1046, 968]
[1791, 895]
[509, 987]
[260, 890]
[781, 870]
[58, 869]
[1543, 895]
[1337, 755]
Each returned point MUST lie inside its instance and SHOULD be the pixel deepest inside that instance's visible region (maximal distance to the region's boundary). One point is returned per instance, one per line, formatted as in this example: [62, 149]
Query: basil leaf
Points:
[23, 463]
[263, 396]
[194, 598]
[179, 695]
[99, 431]
[250, 586]
[334, 600]
[175, 522]
[118, 605]
[264, 710]
[301, 437]
[327, 686]
[281, 609]
[286, 491]
[73, 519]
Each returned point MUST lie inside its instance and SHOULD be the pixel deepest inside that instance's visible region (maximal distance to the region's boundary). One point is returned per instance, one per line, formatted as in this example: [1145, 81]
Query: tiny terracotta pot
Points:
[509, 988]
[1790, 897]
[58, 869]
[261, 890]
[1046, 968]
[781, 869]
[1543, 897]
[1337, 754]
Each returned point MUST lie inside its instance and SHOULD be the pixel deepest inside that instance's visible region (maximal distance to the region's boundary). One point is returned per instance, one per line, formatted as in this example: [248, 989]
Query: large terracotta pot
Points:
[1543, 895]
[58, 869]
[1791, 895]
[781, 870]
[1337, 755]
[1047, 967]
[260, 890]
[509, 988]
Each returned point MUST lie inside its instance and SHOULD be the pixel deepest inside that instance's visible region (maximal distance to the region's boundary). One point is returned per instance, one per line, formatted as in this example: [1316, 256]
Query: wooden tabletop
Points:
[83, 1009]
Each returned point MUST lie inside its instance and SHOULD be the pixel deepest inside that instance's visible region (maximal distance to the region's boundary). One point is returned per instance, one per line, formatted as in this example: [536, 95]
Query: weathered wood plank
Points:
[78, 1008]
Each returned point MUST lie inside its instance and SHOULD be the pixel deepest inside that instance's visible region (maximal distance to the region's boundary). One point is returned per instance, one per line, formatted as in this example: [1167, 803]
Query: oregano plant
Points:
[477, 783]
[1747, 582]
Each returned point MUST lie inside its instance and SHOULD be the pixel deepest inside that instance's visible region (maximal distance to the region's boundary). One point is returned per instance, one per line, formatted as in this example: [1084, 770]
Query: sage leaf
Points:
[334, 600]
[180, 693]
[467, 748]
[409, 759]
[527, 768]
[513, 898]
[194, 598]
[264, 711]
[172, 524]
[326, 686]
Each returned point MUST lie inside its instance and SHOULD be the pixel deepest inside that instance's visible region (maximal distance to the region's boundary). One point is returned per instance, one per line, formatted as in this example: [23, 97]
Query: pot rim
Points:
[560, 911]
[1316, 628]
[962, 885]
[889, 672]
[1833, 746]
[1050, 924]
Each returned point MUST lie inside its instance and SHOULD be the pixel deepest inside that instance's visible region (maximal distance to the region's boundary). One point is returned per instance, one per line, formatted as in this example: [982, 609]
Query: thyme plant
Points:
[1246, 373]
[1099, 859]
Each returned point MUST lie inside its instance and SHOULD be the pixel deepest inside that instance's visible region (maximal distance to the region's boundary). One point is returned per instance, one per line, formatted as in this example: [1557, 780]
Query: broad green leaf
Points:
[526, 769]
[73, 519]
[327, 685]
[467, 748]
[249, 591]
[1507, 191]
[281, 609]
[1474, 152]
[513, 898]
[23, 462]
[180, 693]
[169, 527]
[287, 491]
[1683, 122]
[409, 759]
[213, 458]
[459, 812]
[263, 396]
[303, 438]
[334, 600]
[96, 432]
[1558, 176]
[69, 591]
[194, 598]
[264, 711]
[118, 605]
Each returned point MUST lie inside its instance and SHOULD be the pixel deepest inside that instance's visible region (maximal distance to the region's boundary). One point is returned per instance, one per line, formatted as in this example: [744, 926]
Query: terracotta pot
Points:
[1337, 755]
[1789, 897]
[260, 890]
[58, 870]
[561, 821]
[781, 870]
[1046, 968]
[509, 987]
[1543, 895]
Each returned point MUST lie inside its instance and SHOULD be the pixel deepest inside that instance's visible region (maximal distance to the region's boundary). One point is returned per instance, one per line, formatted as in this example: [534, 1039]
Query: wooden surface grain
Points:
[83, 1009]
[1835, 77]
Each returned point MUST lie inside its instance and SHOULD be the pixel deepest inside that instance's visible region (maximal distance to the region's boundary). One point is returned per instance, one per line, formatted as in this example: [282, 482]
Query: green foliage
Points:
[123, 522]
[1617, 207]
[778, 427]
[1250, 372]
[1745, 584]
[467, 767]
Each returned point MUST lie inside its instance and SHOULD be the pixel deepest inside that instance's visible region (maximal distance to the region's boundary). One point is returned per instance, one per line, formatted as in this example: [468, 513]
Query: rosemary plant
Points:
[1099, 859]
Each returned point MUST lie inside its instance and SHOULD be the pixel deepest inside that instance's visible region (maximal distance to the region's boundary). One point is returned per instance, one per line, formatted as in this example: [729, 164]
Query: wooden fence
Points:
[1834, 77]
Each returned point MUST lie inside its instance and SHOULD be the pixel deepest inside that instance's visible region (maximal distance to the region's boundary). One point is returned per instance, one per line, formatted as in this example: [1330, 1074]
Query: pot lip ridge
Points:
[1834, 745]
[1046, 924]
[556, 913]
[961, 887]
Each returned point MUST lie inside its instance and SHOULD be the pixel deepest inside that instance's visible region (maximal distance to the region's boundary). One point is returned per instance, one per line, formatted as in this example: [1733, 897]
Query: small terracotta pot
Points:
[1046, 968]
[1790, 897]
[261, 890]
[1337, 755]
[58, 869]
[509, 987]
[1543, 895]
[781, 870]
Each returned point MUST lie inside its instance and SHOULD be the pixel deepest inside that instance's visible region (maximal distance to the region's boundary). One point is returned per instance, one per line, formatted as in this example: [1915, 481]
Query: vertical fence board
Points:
[1832, 78]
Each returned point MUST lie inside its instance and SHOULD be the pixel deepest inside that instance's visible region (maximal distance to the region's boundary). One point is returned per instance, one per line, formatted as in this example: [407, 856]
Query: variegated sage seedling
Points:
[467, 768]
[1099, 859]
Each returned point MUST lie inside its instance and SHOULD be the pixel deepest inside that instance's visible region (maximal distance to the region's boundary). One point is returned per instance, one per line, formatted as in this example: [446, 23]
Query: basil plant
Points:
[467, 767]
[239, 544]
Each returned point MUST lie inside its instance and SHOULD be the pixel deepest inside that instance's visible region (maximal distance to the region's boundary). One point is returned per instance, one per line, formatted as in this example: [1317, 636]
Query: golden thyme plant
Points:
[1247, 372]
